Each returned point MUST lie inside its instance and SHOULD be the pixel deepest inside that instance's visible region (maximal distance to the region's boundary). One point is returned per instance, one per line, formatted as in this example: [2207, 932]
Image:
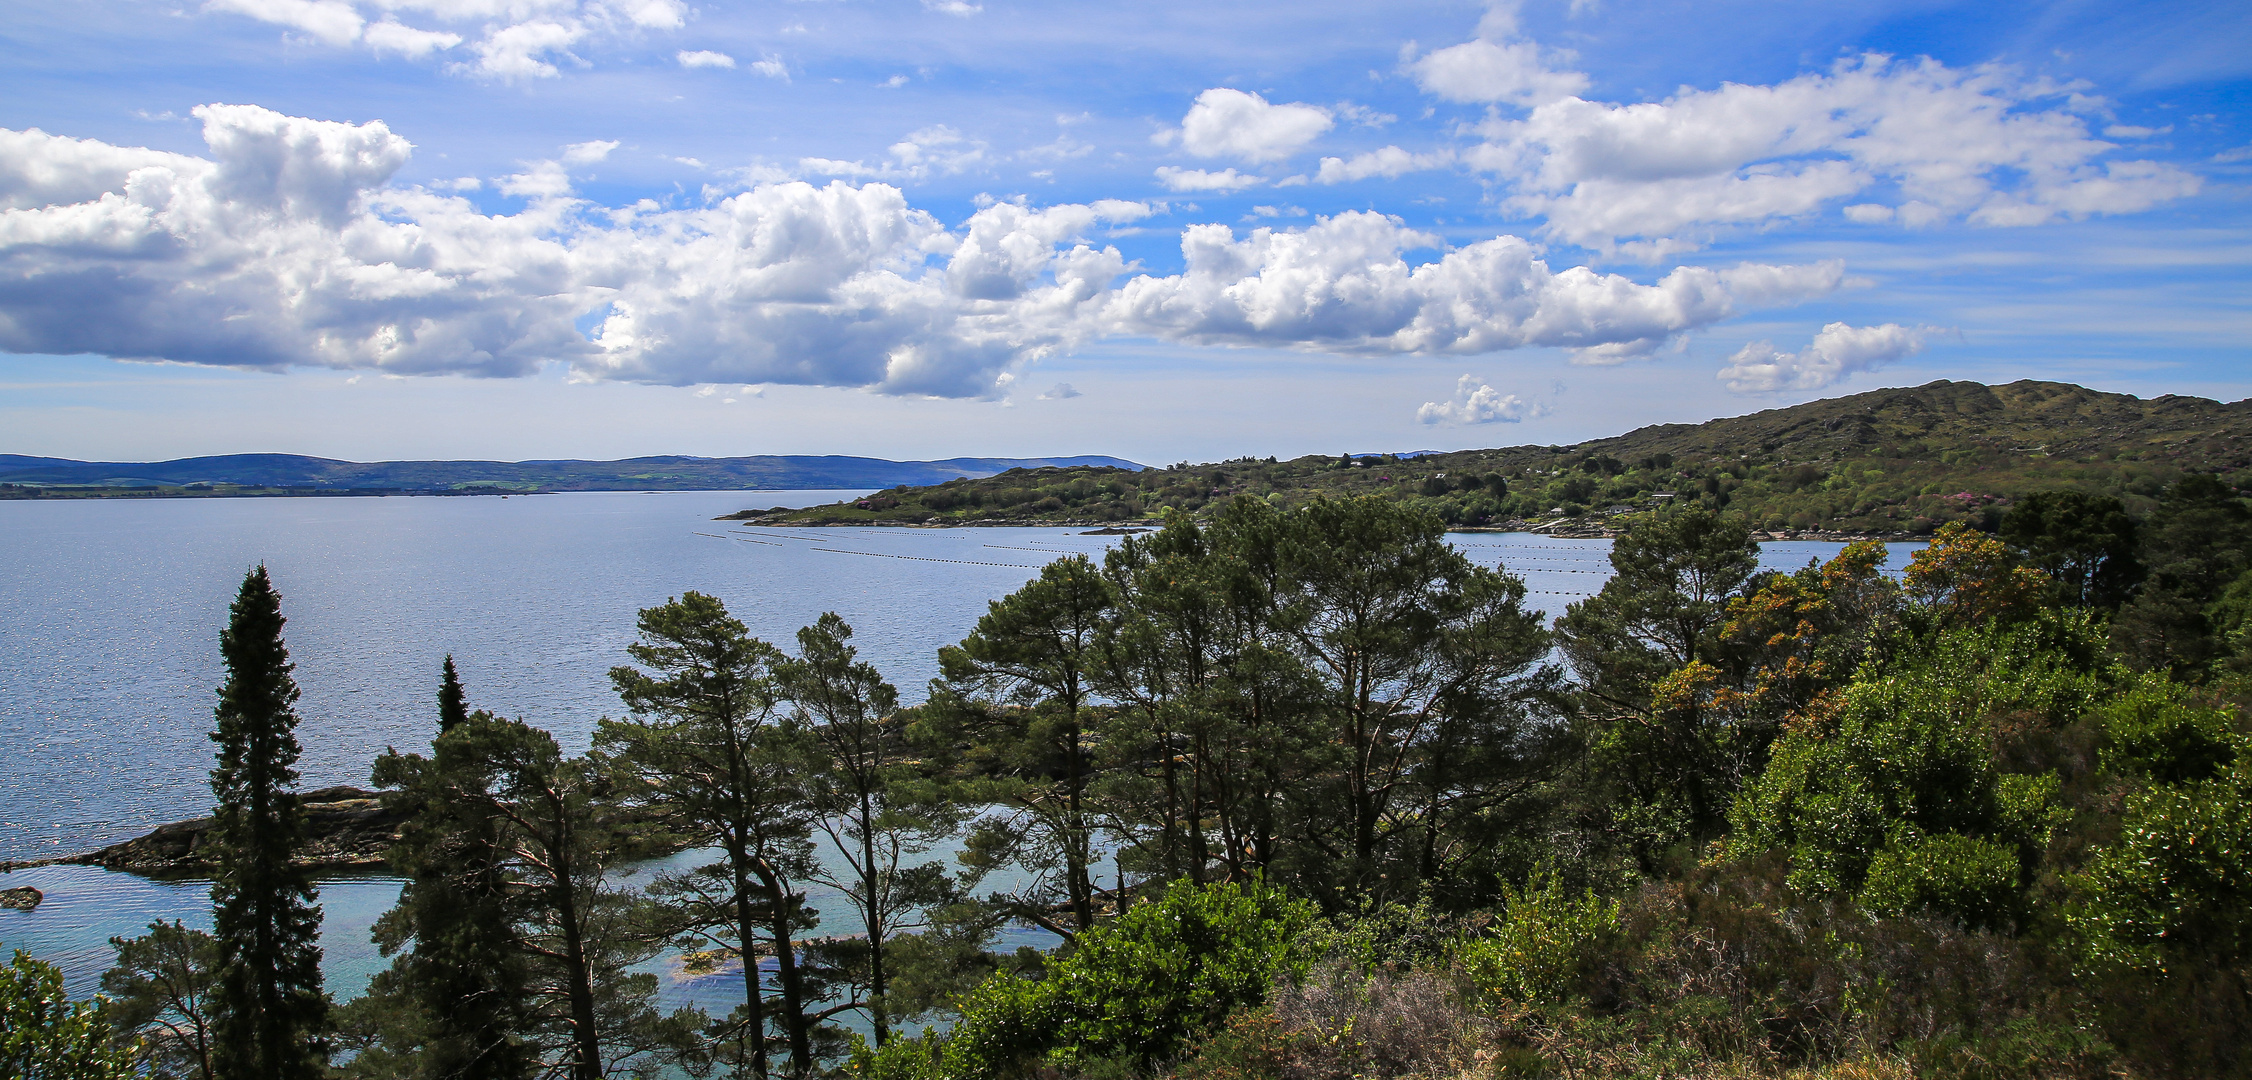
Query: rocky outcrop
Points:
[23, 898]
[345, 827]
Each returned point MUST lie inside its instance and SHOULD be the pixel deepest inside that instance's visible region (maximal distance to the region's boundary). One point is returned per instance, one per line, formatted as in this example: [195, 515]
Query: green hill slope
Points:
[1897, 462]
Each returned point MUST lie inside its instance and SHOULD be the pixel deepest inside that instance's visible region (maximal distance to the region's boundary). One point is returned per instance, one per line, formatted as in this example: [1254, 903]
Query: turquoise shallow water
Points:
[113, 611]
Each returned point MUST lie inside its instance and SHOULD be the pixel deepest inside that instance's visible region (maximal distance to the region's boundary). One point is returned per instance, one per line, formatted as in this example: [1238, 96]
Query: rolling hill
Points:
[1896, 462]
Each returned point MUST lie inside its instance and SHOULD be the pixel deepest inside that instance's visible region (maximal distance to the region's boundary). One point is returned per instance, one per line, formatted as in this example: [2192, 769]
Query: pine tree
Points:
[270, 1014]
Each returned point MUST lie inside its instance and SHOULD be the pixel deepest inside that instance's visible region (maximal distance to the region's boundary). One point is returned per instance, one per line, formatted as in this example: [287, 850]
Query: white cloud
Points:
[288, 246]
[515, 39]
[1837, 351]
[772, 67]
[332, 21]
[958, 8]
[1474, 402]
[1480, 71]
[520, 51]
[1245, 126]
[932, 151]
[587, 153]
[1342, 285]
[391, 36]
[1059, 392]
[1179, 179]
[1391, 163]
[1654, 179]
[704, 58]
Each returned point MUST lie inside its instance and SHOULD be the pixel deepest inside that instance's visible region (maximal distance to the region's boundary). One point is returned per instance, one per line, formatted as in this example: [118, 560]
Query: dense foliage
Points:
[1307, 793]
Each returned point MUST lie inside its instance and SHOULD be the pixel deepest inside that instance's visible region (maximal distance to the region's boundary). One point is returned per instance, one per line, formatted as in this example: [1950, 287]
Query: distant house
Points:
[1661, 496]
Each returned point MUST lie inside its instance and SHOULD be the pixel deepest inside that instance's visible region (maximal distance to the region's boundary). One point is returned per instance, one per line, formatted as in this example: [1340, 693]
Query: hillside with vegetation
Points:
[1898, 462]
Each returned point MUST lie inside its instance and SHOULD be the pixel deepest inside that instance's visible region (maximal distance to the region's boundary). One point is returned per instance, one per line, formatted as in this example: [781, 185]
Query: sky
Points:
[510, 229]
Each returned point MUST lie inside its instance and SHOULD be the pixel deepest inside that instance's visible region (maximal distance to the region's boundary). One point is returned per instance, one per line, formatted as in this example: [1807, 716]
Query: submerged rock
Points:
[22, 898]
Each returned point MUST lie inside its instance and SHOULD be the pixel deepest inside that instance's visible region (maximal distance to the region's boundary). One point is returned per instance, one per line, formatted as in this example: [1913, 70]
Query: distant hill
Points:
[291, 471]
[1894, 462]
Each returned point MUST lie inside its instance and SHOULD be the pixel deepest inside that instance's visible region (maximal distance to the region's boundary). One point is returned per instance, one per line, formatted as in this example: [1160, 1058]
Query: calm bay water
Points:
[110, 613]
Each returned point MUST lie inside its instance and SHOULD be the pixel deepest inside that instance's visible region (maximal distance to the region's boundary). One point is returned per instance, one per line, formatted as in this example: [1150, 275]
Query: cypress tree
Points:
[453, 706]
[270, 1014]
[462, 988]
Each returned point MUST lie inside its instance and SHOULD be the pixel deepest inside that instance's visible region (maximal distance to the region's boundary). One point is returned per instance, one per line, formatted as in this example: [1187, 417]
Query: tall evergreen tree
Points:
[454, 1006]
[453, 704]
[269, 1011]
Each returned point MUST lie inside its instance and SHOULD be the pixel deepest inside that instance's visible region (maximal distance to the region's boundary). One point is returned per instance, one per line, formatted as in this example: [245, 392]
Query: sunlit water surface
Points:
[112, 611]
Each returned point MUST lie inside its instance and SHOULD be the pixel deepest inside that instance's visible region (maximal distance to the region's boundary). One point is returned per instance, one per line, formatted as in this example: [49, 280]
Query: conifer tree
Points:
[270, 1013]
[455, 1003]
[453, 705]
[707, 749]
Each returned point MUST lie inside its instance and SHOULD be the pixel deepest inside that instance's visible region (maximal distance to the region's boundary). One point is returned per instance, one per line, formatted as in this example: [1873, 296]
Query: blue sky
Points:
[927, 228]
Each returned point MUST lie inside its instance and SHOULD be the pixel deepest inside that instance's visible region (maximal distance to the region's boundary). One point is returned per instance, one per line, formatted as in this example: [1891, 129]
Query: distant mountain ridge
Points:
[663, 473]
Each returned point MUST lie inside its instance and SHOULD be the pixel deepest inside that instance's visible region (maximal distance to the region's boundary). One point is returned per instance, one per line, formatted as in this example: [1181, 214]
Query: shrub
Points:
[43, 1036]
[1546, 938]
[1131, 991]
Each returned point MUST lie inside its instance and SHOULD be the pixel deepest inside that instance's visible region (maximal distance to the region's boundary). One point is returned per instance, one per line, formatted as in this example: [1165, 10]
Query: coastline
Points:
[1565, 529]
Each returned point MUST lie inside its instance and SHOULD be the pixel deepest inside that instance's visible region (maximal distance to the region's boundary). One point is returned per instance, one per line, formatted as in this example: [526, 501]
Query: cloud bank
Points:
[502, 39]
[289, 246]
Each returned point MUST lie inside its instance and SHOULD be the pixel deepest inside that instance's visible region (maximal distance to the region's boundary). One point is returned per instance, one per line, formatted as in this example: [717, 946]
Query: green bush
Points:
[1546, 938]
[2152, 730]
[1128, 992]
[2177, 886]
[1974, 880]
[43, 1036]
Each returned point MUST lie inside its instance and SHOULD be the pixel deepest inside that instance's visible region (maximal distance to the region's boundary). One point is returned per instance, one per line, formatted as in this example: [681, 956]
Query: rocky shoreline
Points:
[346, 828]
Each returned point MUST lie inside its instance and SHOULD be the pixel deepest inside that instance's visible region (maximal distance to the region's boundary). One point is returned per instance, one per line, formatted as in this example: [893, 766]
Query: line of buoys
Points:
[744, 539]
[924, 558]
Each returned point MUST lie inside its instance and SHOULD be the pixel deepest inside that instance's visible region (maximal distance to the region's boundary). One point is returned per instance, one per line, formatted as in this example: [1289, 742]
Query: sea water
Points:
[110, 613]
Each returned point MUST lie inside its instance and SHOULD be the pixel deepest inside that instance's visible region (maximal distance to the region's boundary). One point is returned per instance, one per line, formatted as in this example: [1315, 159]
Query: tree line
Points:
[1260, 769]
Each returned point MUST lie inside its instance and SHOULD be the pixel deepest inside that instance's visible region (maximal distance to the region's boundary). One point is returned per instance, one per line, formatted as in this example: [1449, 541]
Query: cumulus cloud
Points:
[1059, 392]
[1474, 402]
[1837, 351]
[516, 39]
[1498, 66]
[1226, 180]
[1343, 285]
[1651, 180]
[289, 245]
[1245, 126]
[704, 58]
[1390, 163]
